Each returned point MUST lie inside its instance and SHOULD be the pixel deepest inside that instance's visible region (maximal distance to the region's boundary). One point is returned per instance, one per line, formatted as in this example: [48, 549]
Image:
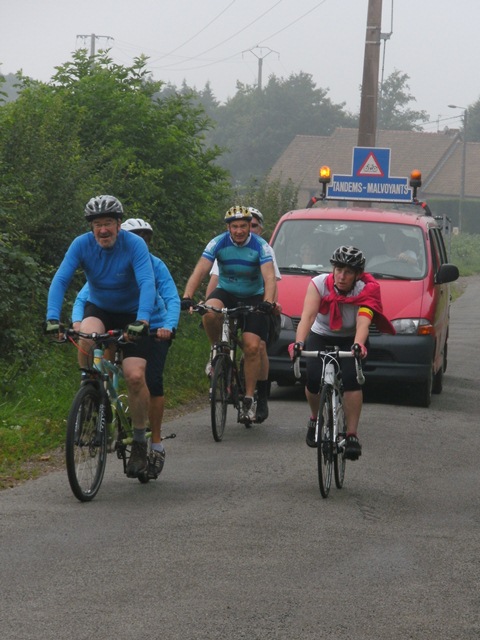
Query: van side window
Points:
[439, 255]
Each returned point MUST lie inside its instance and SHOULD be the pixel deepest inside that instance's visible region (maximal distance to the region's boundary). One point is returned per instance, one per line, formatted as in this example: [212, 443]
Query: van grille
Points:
[373, 330]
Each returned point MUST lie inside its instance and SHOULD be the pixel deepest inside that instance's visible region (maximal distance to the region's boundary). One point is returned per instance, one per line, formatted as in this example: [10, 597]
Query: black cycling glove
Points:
[266, 307]
[186, 303]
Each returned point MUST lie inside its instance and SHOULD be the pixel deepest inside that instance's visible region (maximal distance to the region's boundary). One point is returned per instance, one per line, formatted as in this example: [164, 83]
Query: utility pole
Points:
[260, 61]
[368, 105]
[464, 164]
[93, 38]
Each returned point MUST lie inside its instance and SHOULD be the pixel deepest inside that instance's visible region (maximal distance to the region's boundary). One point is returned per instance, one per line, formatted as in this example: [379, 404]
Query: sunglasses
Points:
[254, 225]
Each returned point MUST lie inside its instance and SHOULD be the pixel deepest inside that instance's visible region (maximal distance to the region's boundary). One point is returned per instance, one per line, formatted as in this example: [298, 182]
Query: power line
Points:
[233, 35]
[210, 63]
[173, 66]
[196, 34]
[293, 22]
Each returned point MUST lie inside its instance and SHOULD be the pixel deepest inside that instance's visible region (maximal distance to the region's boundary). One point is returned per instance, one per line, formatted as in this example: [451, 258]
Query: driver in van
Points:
[308, 254]
[395, 249]
[338, 310]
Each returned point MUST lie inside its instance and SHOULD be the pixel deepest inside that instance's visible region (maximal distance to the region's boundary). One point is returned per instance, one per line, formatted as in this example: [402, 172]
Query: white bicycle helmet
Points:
[257, 214]
[135, 225]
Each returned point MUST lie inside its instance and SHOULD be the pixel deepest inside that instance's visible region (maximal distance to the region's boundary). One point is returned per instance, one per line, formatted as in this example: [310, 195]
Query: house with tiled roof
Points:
[437, 155]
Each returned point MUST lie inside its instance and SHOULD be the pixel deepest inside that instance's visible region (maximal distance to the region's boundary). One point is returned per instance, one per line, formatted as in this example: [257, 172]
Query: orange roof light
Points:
[416, 178]
[325, 175]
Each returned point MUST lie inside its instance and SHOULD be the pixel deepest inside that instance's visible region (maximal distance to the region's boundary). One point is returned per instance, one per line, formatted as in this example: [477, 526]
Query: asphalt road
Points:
[235, 542]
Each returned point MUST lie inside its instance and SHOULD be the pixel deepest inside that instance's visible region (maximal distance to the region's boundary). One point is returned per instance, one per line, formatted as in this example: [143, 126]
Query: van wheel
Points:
[423, 392]
[437, 385]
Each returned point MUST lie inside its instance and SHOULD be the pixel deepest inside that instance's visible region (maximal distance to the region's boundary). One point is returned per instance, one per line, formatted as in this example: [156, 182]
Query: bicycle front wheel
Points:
[220, 396]
[325, 444]
[86, 444]
[339, 461]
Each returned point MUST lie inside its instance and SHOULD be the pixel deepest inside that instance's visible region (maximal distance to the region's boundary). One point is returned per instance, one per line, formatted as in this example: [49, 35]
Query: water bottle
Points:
[97, 357]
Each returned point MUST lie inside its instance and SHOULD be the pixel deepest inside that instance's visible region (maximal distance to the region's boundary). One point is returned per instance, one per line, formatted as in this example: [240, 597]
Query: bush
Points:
[465, 253]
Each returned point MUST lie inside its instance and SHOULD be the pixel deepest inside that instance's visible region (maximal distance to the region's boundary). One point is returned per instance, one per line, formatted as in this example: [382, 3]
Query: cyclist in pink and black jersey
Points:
[338, 310]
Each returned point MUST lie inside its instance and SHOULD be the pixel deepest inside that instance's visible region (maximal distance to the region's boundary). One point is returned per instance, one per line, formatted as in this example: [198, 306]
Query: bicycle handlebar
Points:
[335, 353]
[202, 308]
[112, 335]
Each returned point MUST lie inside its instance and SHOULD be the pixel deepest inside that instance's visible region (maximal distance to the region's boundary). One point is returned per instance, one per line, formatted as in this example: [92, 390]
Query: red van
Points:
[415, 290]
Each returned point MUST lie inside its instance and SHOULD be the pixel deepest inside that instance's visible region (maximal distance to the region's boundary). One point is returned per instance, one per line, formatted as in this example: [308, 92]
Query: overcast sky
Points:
[435, 42]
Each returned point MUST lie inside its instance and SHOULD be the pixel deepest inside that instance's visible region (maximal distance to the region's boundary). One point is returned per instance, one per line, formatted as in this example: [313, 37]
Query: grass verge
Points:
[33, 414]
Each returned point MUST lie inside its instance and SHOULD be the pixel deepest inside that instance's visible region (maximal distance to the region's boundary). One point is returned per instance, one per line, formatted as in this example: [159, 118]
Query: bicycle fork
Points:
[330, 378]
[338, 438]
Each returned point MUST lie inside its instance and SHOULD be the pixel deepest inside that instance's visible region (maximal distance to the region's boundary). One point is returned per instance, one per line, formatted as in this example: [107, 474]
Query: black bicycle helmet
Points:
[102, 206]
[349, 257]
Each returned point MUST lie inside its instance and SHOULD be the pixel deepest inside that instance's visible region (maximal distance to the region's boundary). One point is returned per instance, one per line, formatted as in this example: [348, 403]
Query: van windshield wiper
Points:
[301, 270]
[388, 276]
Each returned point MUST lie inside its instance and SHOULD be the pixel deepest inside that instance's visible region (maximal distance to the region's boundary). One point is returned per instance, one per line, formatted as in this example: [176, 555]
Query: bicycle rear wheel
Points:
[220, 396]
[339, 461]
[86, 444]
[325, 445]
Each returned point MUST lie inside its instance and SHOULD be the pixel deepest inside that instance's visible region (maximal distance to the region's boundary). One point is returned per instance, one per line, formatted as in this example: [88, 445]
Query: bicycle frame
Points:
[330, 427]
[229, 340]
[111, 374]
[226, 380]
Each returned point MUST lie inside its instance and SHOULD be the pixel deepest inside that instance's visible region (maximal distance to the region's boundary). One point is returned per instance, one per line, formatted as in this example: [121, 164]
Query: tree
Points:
[473, 122]
[8, 87]
[97, 128]
[255, 126]
[393, 113]
[22, 291]
[271, 197]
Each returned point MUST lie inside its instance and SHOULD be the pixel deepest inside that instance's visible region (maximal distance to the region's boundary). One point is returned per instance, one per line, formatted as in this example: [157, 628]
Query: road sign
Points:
[370, 179]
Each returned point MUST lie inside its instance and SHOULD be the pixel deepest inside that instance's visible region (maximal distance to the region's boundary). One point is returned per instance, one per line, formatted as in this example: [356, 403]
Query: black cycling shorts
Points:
[138, 349]
[157, 356]
[316, 342]
[256, 323]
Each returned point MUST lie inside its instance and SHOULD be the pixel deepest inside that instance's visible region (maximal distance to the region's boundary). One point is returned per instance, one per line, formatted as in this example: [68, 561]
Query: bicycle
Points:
[98, 422]
[330, 427]
[227, 380]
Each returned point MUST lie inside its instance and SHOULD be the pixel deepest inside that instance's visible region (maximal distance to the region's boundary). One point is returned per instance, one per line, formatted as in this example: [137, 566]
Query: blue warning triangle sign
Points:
[371, 167]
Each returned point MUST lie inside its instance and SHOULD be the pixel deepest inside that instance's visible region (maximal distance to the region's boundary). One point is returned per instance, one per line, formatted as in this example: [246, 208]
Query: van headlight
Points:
[413, 326]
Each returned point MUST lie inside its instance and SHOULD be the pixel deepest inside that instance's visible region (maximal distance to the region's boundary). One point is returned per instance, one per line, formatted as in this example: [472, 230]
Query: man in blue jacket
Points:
[164, 320]
[122, 293]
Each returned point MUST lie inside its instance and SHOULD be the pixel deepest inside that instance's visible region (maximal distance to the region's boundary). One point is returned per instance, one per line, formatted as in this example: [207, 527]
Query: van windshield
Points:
[391, 250]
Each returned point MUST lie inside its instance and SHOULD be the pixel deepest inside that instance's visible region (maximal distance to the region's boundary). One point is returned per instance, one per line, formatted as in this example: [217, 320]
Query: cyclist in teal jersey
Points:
[256, 227]
[246, 276]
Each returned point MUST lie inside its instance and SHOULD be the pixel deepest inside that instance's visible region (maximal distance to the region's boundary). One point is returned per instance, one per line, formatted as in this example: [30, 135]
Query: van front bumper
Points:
[404, 359]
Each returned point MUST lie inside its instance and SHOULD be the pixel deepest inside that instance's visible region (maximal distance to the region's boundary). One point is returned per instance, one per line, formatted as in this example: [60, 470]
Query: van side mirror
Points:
[446, 273]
